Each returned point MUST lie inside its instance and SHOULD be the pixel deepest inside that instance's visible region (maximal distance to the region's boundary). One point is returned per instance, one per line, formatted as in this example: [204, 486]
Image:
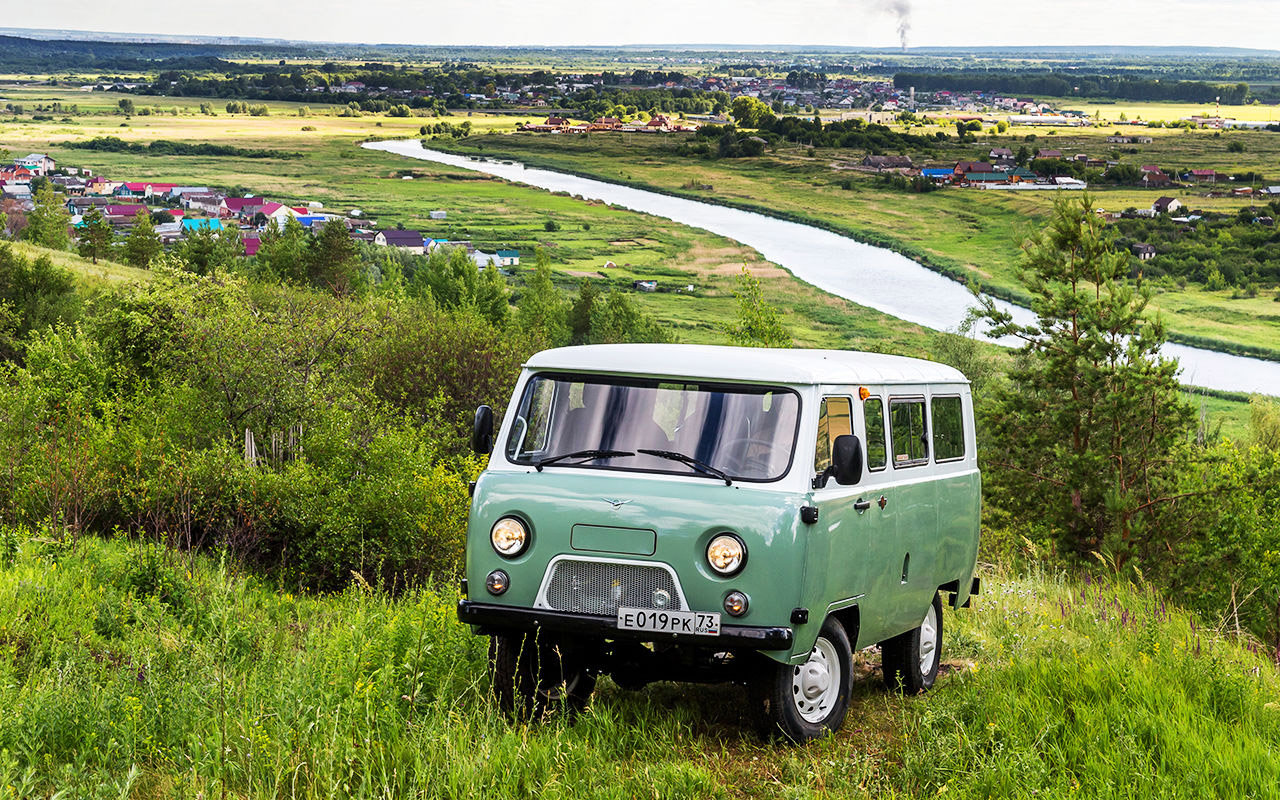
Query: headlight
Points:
[509, 537]
[726, 554]
[736, 604]
[497, 582]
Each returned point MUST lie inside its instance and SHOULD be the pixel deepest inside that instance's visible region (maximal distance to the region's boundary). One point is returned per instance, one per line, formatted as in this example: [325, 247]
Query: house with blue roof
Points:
[192, 225]
[508, 258]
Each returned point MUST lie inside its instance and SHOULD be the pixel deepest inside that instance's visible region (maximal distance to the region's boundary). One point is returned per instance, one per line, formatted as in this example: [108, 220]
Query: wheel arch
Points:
[850, 618]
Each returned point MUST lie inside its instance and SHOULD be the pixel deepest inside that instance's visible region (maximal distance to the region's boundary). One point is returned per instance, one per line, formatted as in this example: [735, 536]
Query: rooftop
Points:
[754, 365]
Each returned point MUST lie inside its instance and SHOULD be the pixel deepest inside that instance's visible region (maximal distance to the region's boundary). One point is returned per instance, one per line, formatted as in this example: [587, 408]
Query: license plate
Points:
[692, 622]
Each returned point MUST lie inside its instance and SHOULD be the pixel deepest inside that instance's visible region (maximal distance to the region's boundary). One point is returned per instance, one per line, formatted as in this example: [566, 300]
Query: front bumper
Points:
[489, 618]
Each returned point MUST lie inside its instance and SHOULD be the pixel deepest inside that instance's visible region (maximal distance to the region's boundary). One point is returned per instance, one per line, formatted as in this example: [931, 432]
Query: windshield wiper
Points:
[689, 461]
[588, 455]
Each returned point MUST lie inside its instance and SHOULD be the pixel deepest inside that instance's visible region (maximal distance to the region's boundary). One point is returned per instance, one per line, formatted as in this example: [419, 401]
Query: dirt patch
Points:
[623, 242]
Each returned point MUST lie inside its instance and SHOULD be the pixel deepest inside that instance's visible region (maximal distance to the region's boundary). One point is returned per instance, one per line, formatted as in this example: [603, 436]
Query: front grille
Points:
[601, 587]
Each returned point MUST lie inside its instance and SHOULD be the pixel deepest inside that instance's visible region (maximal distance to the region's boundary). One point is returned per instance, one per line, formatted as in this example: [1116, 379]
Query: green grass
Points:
[130, 671]
[104, 273]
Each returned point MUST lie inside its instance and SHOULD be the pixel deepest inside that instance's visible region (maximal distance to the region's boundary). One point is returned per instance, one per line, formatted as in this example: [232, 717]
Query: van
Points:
[697, 513]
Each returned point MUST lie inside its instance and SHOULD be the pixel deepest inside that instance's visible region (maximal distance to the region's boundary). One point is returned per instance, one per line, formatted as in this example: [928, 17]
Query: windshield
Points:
[744, 432]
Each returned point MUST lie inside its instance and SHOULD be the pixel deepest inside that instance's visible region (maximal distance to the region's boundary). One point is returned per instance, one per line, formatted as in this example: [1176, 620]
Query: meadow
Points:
[132, 671]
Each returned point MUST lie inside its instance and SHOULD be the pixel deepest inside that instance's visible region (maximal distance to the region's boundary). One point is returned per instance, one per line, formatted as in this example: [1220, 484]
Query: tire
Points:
[534, 675]
[911, 659]
[809, 701]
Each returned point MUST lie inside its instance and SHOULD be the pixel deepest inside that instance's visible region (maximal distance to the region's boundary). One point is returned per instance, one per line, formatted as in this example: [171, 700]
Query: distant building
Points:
[405, 240]
[1166, 205]
[508, 258]
[438, 214]
[38, 163]
[1144, 251]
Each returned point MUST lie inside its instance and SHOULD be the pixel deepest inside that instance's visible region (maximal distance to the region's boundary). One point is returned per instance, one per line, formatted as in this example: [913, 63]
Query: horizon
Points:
[846, 24]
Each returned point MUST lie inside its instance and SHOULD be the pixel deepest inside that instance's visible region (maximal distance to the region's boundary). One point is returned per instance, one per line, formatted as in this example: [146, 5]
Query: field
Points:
[129, 672]
[971, 234]
[489, 212]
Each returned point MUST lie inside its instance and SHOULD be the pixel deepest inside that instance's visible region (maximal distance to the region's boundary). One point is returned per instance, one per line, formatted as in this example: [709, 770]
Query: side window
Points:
[834, 419]
[877, 453]
[906, 424]
[948, 429]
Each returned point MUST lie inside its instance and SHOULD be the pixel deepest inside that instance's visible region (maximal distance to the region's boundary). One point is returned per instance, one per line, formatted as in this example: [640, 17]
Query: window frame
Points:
[933, 428]
[884, 434]
[822, 404]
[644, 381]
[926, 434]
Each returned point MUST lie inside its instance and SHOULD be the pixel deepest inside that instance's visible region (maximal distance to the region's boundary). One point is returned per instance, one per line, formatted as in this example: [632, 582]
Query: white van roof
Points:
[748, 364]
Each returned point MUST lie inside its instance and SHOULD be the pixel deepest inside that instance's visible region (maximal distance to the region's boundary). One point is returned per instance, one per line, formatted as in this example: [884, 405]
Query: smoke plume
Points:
[901, 10]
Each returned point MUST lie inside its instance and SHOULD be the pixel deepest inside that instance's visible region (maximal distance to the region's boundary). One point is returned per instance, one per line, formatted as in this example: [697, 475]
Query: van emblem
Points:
[617, 504]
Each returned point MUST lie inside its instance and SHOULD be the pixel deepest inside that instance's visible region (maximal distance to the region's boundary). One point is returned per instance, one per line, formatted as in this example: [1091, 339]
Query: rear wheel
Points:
[535, 674]
[808, 701]
[911, 660]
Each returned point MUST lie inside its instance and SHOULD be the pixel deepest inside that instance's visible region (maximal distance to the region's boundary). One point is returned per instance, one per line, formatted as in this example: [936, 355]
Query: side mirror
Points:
[846, 460]
[482, 431]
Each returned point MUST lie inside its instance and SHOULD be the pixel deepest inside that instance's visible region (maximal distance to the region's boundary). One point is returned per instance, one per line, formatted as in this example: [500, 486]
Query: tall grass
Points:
[129, 671]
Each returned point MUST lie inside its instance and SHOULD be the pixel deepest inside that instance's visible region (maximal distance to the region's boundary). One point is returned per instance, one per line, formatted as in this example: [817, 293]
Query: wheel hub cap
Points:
[928, 641]
[815, 685]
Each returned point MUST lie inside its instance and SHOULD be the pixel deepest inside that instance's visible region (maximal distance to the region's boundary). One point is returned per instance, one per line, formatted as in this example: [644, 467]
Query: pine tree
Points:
[1085, 434]
[142, 244]
[759, 324]
[580, 313]
[96, 236]
[283, 251]
[332, 261]
[47, 223]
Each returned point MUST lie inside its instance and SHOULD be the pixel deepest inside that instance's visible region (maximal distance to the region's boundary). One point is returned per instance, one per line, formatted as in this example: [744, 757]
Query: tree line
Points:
[1027, 84]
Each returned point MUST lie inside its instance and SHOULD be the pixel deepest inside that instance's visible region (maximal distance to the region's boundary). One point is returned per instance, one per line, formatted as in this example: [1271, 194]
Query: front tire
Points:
[809, 701]
[911, 659]
[535, 674]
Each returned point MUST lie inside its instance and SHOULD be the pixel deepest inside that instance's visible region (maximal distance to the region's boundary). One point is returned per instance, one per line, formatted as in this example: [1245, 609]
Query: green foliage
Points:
[48, 221]
[750, 112]
[97, 240]
[34, 293]
[142, 244]
[759, 324]
[541, 310]
[166, 147]
[282, 252]
[1087, 432]
[206, 251]
[616, 319]
[450, 279]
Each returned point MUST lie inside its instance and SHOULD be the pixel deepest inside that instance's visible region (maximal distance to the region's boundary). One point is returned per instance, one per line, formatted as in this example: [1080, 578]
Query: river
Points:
[871, 276]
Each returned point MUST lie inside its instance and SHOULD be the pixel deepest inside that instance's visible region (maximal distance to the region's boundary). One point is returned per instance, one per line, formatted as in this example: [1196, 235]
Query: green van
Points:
[695, 513]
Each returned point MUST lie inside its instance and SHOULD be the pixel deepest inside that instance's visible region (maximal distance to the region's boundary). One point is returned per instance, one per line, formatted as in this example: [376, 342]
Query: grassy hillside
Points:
[128, 671]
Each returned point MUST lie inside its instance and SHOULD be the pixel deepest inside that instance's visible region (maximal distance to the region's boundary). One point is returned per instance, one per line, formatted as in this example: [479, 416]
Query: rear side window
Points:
[835, 419]
[877, 453]
[948, 429]
[906, 426]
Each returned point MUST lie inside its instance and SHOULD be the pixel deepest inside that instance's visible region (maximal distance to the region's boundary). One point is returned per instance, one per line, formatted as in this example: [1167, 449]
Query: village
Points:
[177, 211]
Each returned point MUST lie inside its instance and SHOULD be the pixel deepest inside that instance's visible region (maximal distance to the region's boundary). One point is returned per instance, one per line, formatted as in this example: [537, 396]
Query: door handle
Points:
[861, 505]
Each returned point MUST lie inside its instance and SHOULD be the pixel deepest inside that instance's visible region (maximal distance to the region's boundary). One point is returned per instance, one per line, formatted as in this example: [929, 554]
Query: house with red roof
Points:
[143, 189]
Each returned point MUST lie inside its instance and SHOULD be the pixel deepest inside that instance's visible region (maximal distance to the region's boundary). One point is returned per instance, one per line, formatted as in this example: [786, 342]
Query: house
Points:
[38, 163]
[606, 123]
[659, 122]
[143, 189]
[508, 258]
[405, 240]
[645, 286]
[1266, 222]
[439, 215]
[985, 177]
[123, 212]
[1043, 153]
[1144, 251]
[251, 245]
[16, 173]
[240, 206]
[1166, 205]
[965, 167]
[209, 203]
[556, 122]
[202, 224]
[1204, 175]
[277, 211]
[881, 163]
[1000, 154]
[1156, 178]
[79, 206]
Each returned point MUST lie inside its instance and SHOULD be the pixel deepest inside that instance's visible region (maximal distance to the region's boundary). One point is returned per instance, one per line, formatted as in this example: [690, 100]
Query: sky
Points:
[853, 23]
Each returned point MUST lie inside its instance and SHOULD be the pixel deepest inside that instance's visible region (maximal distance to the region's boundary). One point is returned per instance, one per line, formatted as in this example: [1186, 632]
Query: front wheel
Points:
[911, 659]
[533, 674]
[809, 701]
